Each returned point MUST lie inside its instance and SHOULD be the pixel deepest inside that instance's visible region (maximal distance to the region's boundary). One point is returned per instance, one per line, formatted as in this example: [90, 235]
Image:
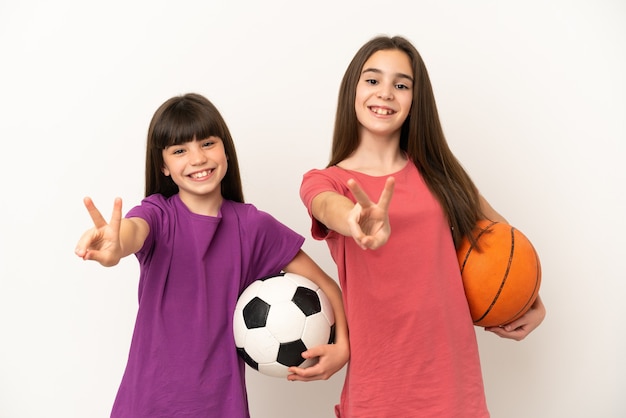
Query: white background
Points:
[532, 97]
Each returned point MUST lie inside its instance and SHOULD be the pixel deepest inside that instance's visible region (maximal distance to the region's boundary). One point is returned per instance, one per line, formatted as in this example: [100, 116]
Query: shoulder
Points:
[331, 178]
[157, 200]
[238, 208]
[246, 212]
[327, 173]
[152, 204]
[253, 221]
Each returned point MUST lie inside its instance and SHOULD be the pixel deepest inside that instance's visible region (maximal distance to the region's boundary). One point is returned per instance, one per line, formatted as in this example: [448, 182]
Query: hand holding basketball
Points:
[521, 327]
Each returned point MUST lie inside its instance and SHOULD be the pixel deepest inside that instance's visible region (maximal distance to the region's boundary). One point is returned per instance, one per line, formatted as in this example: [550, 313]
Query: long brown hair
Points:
[421, 137]
[182, 119]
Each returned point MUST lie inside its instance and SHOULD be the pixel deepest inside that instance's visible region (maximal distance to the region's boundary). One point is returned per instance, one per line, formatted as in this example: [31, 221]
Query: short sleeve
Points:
[315, 182]
[272, 244]
[150, 210]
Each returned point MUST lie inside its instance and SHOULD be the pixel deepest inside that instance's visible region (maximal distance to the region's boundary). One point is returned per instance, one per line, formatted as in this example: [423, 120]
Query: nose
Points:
[385, 93]
[197, 156]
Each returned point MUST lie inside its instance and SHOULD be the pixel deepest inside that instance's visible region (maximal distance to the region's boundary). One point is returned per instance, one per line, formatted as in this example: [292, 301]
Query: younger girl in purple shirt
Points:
[199, 246]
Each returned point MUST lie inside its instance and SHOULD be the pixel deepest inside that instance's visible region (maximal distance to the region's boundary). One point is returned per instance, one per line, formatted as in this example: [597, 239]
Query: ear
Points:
[165, 171]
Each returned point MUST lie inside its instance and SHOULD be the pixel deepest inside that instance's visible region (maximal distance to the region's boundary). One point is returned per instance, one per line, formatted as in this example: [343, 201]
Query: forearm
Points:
[332, 210]
[302, 264]
[133, 233]
[332, 290]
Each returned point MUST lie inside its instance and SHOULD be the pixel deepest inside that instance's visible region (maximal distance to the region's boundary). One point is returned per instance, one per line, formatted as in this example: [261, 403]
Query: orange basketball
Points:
[501, 275]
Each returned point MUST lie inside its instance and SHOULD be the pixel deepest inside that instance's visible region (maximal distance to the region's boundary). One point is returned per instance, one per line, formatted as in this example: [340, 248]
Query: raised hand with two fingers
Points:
[369, 221]
[102, 242]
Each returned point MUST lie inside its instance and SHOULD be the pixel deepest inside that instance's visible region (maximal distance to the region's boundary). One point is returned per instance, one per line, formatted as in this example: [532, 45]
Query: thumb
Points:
[313, 352]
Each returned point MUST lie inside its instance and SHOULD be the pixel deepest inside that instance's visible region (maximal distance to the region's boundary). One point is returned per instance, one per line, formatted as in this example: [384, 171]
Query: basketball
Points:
[501, 274]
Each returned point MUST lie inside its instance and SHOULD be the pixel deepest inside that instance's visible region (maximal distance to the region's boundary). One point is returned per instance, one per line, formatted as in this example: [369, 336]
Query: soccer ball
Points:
[279, 317]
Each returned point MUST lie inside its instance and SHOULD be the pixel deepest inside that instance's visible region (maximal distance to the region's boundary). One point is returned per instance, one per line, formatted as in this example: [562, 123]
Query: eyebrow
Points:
[376, 70]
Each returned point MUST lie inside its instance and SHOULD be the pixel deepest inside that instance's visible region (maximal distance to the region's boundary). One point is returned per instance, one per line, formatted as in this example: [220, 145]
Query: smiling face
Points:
[197, 167]
[384, 93]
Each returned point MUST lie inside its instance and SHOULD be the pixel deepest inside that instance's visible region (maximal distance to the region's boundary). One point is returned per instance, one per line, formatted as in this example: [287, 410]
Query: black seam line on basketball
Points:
[537, 281]
[467, 254]
[506, 275]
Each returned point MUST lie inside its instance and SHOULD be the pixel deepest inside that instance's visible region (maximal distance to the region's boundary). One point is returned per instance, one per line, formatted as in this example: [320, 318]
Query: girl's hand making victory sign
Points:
[369, 221]
[102, 242]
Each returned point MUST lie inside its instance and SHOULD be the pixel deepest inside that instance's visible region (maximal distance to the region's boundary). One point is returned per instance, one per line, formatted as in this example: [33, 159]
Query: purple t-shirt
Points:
[182, 360]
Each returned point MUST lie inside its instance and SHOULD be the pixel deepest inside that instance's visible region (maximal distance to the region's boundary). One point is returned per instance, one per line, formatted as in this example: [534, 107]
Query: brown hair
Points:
[182, 119]
[421, 137]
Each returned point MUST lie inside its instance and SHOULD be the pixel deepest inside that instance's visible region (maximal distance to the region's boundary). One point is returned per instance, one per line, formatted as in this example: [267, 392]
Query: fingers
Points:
[98, 219]
[363, 199]
[331, 358]
[520, 328]
[103, 236]
[516, 334]
[116, 216]
[516, 330]
[94, 213]
[369, 221]
[385, 196]
[313, 352]
[84, 243]
[355, 228]
[308, 374]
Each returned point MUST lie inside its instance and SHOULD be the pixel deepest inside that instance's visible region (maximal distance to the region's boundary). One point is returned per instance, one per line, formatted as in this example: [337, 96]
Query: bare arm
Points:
[108, 243]
[332, 356]
[366, 222]
[332, 209]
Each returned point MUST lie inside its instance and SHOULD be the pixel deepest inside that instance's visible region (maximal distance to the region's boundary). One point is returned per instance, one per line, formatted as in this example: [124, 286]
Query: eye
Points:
[175, 150]
[401, 86]
[208, 143]
[371, 81]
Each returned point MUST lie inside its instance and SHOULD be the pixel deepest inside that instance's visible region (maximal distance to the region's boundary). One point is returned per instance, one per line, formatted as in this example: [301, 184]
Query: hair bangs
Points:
[182, 124]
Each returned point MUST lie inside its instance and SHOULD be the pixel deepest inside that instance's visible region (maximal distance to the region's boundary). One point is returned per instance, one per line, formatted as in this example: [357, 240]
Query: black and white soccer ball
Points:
[279, 317]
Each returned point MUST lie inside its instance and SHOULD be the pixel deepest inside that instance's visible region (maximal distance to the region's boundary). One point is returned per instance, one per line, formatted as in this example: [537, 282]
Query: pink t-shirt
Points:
[413, 345]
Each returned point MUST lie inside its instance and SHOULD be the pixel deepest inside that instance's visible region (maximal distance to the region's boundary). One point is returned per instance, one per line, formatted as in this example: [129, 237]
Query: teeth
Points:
[200, 174]
[381, 111]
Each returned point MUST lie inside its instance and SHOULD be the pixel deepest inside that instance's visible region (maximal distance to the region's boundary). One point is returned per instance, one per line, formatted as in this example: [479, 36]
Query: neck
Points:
[202, 205]
[375, 160]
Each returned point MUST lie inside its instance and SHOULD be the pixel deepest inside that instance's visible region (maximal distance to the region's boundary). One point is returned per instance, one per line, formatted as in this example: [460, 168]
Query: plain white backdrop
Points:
[532, 96]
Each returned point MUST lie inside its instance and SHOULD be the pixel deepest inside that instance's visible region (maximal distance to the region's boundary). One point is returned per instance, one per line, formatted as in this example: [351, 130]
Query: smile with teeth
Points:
[200, 174]
[382, 111]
